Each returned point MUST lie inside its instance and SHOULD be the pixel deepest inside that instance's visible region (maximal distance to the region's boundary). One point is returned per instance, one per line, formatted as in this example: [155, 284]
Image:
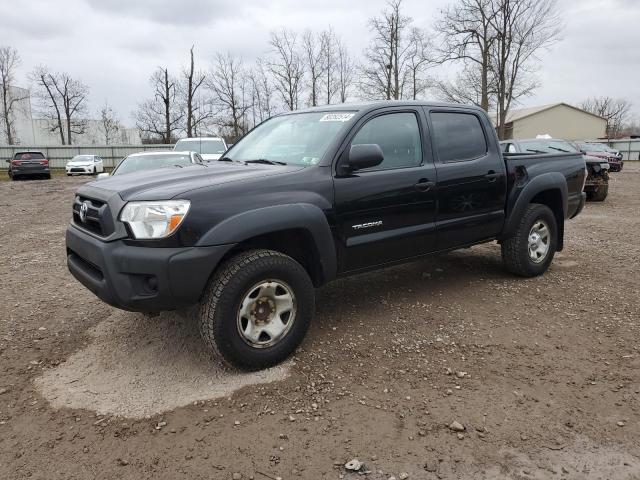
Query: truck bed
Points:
[523, 168]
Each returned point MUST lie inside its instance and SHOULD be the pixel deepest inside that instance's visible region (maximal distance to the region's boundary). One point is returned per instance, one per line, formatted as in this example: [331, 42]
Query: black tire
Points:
[600, 194]
[515, 250]
[95, 172]
[48, 177]
[68, 174]
[230, 284]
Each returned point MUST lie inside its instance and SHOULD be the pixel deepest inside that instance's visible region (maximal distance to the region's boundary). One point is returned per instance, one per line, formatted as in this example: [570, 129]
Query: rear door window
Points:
[458, 136]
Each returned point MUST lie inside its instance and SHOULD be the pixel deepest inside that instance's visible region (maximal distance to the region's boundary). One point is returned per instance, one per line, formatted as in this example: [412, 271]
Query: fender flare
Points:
[522, 198]
[260, 221]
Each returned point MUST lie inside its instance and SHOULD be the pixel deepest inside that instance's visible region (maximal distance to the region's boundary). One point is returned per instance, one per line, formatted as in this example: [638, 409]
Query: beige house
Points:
[559, 120]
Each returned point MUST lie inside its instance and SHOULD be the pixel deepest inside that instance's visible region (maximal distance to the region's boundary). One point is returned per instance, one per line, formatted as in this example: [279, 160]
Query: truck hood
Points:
[167, 183]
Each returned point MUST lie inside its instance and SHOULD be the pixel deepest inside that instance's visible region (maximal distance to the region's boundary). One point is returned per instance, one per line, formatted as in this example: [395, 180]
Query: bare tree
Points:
[229, 84]
[329, 45]
[203, 114]
[314, 50]
[418, 60]
[196, 111]
[466, 88]
[262, 104]
[9, 62]
[287, 67]
[467, 34]
[47, 99]
[630, 128]
[346, 71]
[63, 101]
[109, 123]
[160, 115]
[522, 27]
[616, 111]
[386, 57]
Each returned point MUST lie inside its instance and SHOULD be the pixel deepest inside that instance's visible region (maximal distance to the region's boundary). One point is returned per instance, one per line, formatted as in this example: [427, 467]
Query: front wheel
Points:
[530, 250]
[600, 194]
[257, 309]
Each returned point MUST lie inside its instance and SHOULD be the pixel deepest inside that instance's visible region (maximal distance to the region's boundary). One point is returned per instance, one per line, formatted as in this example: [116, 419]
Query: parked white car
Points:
[85, 164]
[209, 148]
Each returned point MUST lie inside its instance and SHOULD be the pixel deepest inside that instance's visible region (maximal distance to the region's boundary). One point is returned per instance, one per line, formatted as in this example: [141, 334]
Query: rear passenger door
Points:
[472, 183]
[387, 213]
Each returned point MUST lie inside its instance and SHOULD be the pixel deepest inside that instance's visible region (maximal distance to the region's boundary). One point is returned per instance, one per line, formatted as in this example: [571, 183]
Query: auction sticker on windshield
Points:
[337, 117]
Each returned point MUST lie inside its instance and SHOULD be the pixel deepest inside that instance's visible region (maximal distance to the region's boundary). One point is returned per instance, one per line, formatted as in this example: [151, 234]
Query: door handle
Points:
[424, 185]
[492, 176]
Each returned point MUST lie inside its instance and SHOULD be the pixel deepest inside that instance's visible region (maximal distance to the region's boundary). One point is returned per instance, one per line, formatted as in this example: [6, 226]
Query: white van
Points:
[209, 148]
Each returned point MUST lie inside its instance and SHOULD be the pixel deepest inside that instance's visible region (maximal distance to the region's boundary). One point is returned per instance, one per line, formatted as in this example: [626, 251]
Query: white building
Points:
[560, 120]
[39, 131]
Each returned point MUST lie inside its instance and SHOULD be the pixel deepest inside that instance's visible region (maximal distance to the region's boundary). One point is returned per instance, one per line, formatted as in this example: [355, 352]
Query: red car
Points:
[602, 151]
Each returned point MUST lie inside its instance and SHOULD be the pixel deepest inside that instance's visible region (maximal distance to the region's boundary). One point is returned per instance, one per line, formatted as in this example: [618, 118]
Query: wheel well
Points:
[297, 243]
[553, 200]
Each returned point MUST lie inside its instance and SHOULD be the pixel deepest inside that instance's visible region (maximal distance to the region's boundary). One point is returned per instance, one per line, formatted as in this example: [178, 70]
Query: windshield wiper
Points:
[177, 165]
[265, 161]
[534, 150]
[559, 149]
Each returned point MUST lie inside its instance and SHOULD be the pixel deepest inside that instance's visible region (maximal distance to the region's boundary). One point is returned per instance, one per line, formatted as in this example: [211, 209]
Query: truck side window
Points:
[458, 136]
[398, 135]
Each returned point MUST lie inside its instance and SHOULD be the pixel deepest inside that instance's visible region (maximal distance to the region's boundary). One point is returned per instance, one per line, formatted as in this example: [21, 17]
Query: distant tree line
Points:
[493, 45]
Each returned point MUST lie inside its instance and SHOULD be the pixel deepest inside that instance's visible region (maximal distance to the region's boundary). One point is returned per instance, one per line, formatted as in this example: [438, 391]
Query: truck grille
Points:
[96, 218]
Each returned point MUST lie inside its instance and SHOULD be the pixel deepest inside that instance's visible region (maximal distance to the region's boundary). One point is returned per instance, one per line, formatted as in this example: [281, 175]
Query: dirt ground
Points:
[543, 374]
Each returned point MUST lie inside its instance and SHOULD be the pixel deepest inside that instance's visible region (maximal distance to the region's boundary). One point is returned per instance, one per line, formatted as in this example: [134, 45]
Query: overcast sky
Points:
[114, 45]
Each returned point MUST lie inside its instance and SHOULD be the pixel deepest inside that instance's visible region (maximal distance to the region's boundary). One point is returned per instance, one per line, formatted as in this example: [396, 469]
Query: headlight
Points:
[154, 219]
[604, 165]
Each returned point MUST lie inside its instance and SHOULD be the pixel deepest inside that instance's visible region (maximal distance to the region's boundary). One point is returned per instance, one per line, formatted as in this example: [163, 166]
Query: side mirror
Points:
[102, 175]
[8, 161]
[361, 157]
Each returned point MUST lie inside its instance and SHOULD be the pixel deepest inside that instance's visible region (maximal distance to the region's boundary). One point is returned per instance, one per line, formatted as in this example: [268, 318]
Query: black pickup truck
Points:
[307, 197]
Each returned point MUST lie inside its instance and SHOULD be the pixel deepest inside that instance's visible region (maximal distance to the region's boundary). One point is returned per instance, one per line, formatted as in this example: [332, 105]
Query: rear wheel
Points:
[600, 194]
[530, 250]
[257, 309]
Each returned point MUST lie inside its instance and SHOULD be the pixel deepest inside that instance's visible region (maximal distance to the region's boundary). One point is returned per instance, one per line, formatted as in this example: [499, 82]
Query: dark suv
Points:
[28, 164]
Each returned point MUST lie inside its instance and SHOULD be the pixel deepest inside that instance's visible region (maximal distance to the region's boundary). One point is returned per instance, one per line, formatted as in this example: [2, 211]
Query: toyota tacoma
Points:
[307, 197]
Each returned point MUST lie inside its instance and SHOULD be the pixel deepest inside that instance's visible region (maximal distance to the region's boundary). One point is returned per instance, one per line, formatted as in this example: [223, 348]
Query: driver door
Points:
[387, 213]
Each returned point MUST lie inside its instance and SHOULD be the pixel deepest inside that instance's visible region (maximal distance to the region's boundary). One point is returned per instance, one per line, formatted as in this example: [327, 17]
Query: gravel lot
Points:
[542, 374]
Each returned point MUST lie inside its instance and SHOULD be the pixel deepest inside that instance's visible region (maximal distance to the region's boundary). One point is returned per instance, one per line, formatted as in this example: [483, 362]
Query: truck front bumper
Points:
[142, 279]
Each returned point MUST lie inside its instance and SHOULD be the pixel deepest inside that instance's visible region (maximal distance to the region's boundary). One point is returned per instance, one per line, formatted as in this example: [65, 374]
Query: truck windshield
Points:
[593, 147]
[135, 163]
[298, 139]
[547, 146]
[205, 146]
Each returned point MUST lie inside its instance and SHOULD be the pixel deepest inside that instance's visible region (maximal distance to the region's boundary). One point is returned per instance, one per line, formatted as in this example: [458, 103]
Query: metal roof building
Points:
[560, 120]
